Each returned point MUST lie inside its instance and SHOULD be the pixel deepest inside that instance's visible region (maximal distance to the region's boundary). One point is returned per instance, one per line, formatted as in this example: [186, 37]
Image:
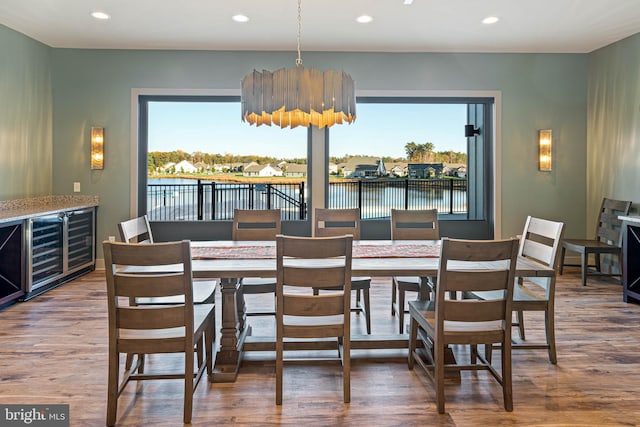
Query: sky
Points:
[379, 130]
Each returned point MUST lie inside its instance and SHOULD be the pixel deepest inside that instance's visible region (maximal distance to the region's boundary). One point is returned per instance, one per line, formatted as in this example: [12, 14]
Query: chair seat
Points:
[200, 314]
[357, 283]
[258, 285]
[521, 295]
[408, 283]
[203, 293]
[580, 246]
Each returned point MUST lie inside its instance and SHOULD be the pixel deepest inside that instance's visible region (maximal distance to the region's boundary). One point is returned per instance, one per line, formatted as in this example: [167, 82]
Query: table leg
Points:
[232, 335]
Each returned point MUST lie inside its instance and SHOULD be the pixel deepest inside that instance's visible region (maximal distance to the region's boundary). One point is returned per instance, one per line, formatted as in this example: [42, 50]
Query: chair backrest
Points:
[476, 266]
[609, 226]
[414, 224]
[170, 274]
[308, 262]
[136, 230]
[540, 242]
[337, 222]
[258, 224]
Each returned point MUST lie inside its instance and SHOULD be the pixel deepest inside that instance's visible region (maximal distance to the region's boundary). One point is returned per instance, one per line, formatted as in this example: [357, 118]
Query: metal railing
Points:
[206, 200]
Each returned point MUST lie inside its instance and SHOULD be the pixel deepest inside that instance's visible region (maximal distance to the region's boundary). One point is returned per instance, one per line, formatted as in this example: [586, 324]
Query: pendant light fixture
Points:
[298, 96]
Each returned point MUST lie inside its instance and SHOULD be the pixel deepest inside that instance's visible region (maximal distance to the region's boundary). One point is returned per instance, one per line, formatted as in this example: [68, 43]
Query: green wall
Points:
[63, 92]
[25, 117]
[93, 87]
[613, 126]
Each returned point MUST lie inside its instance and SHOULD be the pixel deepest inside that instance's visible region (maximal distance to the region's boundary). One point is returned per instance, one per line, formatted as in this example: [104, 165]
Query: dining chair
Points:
[256, 224]
[138, 230]
[411, 225]
[338, 222]
[151, 329]
[539, 243]
[467, 266]
[310, 262]
[606, 241]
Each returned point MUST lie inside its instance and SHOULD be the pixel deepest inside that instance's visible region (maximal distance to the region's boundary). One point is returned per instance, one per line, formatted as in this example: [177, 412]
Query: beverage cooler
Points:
[60, 246]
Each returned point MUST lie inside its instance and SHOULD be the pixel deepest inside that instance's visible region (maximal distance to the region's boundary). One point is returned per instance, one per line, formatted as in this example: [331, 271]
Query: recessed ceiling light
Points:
[407, 2]
[490, 20]
[240, 18]
[100, 15]
[364, 19]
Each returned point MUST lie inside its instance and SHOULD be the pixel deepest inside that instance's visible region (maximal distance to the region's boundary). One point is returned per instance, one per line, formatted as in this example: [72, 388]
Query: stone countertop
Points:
[635, 219]
[19, 209]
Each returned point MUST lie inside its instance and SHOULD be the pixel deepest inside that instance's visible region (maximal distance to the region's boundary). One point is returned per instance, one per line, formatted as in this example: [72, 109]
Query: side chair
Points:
[467, 266]
[151, 329]
[338, 222]
[138, 230]
[256, 224]
[411, 225]
[606, 241]
[309, 262]
[539, 243]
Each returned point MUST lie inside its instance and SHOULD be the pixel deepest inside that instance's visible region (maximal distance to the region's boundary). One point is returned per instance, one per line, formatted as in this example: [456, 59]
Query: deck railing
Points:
[206, 200]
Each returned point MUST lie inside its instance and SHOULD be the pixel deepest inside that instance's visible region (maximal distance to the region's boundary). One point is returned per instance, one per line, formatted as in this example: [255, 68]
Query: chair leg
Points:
[439, 375]
[413, 336]
[188, 386]
[112, 388]
[520, 316]
[346, 368]
[551, 334]
[401, 302]
[279, 363]
[507, 391]
[562, 253]
[367, 308]
[393, 297]
[584, 261]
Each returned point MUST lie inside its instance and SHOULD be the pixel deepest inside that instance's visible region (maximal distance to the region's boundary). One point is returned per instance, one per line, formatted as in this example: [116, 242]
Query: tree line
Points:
[416, 153]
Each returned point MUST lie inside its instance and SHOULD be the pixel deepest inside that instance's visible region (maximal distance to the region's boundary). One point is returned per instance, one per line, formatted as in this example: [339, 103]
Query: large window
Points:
[199, 161]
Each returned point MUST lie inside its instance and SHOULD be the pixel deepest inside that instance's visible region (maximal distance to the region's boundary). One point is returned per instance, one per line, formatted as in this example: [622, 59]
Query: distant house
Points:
[202, 167]
[333, 169]
[295, 170]
[185, 166]
[254, 169]
[364, 167]
[426, 170]
[397, 169]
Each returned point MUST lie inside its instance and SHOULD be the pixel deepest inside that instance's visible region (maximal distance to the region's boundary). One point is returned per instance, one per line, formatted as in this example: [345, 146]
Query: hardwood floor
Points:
[53, 349]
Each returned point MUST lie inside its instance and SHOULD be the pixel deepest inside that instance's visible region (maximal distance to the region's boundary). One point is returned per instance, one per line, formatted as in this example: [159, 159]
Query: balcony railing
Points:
[206, 200]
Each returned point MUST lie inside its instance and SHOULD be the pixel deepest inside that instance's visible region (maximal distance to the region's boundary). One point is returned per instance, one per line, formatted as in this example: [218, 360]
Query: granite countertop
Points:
[630, 218]
[12, 210]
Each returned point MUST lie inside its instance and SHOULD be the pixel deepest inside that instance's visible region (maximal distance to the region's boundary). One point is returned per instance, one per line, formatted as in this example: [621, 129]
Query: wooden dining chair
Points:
[338, 222]
[310, 262]
[539, 243]
[138, 230]
[411, 225]
[256, 224]
[606, 241]
[467, 266]
[151, 329]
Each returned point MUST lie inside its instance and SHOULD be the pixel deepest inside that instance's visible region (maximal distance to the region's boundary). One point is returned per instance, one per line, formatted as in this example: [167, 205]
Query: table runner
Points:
[359, 251]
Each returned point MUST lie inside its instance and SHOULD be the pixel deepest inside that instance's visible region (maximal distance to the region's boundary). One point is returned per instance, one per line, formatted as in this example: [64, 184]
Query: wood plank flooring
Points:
[53, 349]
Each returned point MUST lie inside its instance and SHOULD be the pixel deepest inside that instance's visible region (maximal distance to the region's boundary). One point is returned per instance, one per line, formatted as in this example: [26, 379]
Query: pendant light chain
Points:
[299, 59]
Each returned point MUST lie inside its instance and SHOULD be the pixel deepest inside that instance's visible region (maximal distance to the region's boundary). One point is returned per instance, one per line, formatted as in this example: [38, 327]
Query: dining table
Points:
[231, 260]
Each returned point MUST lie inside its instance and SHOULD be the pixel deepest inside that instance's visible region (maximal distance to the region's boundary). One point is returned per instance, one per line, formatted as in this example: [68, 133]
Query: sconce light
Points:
[97, 148]
[545, 141]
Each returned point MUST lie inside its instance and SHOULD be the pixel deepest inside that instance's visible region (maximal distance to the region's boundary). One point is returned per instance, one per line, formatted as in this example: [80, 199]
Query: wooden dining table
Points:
[231, 260]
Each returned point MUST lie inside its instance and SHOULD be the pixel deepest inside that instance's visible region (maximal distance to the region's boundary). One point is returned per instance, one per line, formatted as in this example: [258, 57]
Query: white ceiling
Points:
[562, 26]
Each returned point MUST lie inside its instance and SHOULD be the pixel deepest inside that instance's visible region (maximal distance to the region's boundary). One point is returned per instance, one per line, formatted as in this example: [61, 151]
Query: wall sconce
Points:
[545, 142]
[97, 148]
